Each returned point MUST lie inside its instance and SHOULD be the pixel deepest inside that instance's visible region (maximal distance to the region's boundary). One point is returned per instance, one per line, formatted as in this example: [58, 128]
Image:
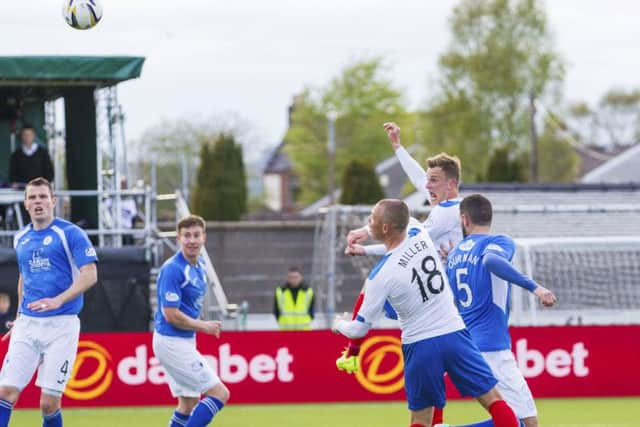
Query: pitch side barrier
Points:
[287, 367]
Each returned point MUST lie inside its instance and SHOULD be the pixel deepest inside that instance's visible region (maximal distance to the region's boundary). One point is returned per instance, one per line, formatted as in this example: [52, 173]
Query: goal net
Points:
[596, 279]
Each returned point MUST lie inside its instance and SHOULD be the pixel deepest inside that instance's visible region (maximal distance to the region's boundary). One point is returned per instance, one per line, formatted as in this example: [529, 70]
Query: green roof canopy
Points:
[68, 70]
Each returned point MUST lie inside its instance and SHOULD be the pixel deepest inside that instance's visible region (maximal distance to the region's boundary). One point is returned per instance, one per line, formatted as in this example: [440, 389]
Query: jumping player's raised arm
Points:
[410, 166]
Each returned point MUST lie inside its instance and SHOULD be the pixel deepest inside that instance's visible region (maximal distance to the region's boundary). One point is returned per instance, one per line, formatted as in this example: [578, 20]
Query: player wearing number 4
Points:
[182, 284]
[57, 264]
[434, 339]
[480, 272]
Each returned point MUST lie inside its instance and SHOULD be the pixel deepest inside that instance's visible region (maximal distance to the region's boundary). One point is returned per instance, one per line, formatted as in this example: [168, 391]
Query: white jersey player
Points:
[434, 339]
[439, 183]
[57, 264]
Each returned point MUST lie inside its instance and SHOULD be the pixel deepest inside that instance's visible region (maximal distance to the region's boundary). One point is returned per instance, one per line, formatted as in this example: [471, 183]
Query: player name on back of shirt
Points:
[412, 251]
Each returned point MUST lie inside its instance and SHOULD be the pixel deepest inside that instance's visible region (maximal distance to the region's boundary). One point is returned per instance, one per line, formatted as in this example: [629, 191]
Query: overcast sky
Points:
[250, 57]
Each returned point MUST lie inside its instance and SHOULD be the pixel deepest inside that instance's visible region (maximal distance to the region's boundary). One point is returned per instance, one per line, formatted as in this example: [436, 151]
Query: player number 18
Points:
[430, 270]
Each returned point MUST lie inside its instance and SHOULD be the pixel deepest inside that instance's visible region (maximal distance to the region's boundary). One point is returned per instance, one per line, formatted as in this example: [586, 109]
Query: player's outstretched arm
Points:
[358, 235]
[350, 328]
[502, 268]
[354, 250]
[546, 297]
[393, 132]
[410, 166]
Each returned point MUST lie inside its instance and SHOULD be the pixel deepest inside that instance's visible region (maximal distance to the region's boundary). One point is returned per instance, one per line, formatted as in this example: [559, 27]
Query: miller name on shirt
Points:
[411, 252]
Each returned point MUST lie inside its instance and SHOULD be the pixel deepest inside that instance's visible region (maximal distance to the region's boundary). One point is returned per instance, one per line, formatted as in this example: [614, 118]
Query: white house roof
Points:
[625, 167]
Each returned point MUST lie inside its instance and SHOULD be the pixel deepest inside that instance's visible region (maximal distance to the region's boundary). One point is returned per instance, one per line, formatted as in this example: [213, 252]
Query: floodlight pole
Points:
[533, 136]
[331, 116]
[331, 271]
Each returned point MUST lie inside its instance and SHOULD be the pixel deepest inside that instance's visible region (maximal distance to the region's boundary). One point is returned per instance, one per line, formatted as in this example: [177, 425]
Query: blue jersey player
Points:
[57, 264]
[434, 339]
[182, 284]
[480, 273]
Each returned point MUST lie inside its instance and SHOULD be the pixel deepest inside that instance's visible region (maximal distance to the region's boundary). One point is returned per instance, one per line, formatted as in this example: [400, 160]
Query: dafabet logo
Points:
[92, 372]
[381, 365]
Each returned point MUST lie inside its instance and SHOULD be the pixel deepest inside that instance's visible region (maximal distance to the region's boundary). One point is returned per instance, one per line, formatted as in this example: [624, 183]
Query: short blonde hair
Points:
[450, 165]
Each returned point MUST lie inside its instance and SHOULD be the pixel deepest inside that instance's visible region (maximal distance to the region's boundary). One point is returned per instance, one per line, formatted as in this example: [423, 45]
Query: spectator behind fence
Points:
[30, 160]
[294, 303]
[129, 216]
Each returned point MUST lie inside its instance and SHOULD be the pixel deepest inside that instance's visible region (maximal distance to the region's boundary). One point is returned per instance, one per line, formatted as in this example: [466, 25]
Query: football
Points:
[82, 14]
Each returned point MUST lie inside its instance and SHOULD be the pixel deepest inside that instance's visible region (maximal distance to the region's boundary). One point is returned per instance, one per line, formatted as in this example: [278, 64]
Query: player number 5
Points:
[463, 287]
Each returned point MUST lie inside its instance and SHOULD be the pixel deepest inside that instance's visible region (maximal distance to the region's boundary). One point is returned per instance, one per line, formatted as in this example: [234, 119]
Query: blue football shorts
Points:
[426, 361]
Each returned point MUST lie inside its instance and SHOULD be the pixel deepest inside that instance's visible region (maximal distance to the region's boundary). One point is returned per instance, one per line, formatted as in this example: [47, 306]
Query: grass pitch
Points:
[622, 412]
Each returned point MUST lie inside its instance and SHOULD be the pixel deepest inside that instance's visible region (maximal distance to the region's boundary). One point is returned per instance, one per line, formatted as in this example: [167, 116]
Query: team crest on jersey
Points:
[47, 240]
[466, 246]
[90, 251]
[171, 297]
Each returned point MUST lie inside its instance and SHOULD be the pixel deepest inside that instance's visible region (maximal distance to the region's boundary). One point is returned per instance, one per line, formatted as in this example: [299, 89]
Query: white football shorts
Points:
[48, 344]
[188, 373]
[511, 383]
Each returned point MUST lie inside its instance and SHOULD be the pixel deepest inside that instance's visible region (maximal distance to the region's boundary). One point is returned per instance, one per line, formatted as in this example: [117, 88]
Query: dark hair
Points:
[477, 208]
[295, 269]
[190, 221]
[450, 165]
[38, 182]
[395, 213]
[26, 126]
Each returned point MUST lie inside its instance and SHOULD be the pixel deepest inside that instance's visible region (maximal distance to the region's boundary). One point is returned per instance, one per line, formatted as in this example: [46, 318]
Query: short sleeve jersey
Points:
[482, 298]
[443, 223]
[183, 286]
[412, 279]
[49, 261]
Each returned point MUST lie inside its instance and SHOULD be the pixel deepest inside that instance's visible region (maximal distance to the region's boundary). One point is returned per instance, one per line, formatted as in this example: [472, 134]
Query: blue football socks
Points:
[204, 412]
[52, 420]
[178, 420]
[5, 412]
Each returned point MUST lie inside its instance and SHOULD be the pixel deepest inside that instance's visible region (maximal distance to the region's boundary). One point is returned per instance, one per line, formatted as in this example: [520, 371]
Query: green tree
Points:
[614, 121]
[505, 166]
[220, 193]
[500, 53]
[618, 117]
[558, 160]
[200, 199]
[360, 184]
[364, 99]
